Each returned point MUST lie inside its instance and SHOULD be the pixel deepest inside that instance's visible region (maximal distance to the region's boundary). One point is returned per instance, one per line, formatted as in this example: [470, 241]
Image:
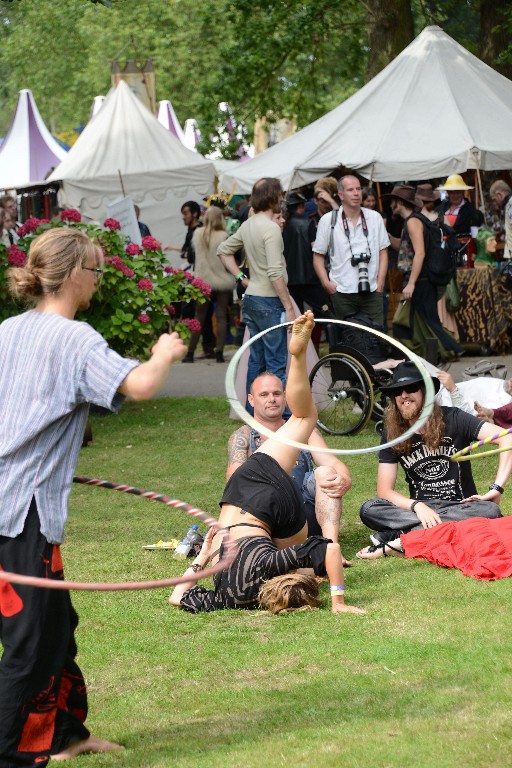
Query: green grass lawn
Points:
[424, 679]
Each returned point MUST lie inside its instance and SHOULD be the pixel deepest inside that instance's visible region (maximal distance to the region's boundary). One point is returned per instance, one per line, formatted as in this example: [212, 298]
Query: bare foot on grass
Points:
[301, 333]
[92, 744]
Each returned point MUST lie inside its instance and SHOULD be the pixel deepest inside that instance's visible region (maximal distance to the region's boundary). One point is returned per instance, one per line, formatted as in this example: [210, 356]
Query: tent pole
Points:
[379, 196]
[121, 182]
[482, 201]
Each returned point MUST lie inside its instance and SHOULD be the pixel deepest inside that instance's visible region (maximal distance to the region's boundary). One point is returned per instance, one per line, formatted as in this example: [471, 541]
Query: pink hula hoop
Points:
[87, 586]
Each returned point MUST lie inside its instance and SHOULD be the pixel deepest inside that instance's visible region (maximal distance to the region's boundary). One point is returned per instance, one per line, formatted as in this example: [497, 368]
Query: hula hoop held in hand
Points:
[248, 419]
[34, 581]
[464, 454]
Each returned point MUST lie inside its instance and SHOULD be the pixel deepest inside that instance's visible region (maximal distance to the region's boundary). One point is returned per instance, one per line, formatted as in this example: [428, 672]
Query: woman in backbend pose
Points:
[263, 511]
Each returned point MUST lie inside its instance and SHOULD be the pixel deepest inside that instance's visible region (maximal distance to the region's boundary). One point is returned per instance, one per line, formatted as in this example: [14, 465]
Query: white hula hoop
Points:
[251, 421]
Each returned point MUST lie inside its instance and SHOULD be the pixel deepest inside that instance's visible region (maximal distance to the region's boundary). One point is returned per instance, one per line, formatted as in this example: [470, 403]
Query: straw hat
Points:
[454, 183]
[427, 193]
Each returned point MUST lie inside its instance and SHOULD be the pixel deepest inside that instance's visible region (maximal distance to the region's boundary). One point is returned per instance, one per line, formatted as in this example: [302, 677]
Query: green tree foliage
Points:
[289, 58]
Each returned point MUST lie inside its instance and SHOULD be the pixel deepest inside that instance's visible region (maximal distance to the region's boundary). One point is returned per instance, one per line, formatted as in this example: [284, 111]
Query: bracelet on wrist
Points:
[496, 487]
[414, 504]
[197, 567]
[338, 589]
[240, 276]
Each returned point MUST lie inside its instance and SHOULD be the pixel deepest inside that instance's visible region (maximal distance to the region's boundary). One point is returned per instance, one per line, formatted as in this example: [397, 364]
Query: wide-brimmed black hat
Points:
[405, 374]
[295, 198]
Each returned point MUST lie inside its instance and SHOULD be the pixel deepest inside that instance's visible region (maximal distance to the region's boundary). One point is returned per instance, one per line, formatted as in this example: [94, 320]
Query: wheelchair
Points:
[344, 384]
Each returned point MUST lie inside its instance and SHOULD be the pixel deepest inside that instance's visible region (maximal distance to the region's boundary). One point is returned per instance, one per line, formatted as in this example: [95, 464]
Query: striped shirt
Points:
[258, 560]
[51, 368]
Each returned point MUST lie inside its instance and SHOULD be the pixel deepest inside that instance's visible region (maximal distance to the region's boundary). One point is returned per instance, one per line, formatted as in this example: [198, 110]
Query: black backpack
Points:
[441, 250]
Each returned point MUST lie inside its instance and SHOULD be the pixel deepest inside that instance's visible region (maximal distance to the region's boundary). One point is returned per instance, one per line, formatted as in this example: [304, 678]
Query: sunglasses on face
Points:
[409, 389]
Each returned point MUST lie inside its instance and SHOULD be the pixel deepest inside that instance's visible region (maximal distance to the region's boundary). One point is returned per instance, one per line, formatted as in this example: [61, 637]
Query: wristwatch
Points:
[496, 487]
[197, 567]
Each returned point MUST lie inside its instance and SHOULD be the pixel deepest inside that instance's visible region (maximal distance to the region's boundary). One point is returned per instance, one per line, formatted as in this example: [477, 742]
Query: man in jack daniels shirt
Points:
[440, 490]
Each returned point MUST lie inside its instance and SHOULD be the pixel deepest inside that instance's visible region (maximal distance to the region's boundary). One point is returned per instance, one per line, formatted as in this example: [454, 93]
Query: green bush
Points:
[140, 296]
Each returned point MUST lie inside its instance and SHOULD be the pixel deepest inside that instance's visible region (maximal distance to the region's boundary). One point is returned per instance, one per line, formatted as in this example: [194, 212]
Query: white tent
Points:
[97, 104]
[28, 151]
[125, 148]
[167, 117]
[434, 110]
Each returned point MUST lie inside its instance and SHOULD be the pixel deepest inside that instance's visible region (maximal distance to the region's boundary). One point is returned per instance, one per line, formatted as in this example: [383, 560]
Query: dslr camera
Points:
[362, 260]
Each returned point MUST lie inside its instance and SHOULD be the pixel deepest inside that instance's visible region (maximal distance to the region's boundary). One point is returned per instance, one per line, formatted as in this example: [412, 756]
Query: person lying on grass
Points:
[262, 509]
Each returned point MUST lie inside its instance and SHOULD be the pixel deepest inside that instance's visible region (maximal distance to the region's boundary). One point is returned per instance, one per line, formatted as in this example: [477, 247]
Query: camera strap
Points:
[347, 230]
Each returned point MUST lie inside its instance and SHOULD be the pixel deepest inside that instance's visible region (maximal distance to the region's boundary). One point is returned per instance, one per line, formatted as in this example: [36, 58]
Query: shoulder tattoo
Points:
[238, 446]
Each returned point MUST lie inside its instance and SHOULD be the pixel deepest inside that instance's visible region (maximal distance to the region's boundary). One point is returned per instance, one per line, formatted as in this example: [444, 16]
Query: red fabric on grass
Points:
[478, 547]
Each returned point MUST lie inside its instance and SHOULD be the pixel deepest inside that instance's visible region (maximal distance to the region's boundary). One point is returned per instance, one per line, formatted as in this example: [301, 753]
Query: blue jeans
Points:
[270, 353]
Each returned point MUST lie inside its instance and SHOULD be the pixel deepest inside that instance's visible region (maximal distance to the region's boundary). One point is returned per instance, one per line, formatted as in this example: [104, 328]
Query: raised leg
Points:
[298, 396]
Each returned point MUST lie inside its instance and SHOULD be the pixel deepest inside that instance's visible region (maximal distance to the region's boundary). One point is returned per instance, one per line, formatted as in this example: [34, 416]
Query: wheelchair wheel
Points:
[343, 394]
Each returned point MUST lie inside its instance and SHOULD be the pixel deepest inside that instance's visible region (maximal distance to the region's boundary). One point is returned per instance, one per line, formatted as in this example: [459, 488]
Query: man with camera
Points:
[355, 244]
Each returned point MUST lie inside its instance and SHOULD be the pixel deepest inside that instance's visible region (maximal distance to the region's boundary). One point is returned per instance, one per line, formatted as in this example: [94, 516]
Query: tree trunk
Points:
[494, 34]
[390, 30]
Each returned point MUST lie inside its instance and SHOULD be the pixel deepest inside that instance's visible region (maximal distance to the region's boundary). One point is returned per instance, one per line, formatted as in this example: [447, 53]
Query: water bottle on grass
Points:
[185, 545]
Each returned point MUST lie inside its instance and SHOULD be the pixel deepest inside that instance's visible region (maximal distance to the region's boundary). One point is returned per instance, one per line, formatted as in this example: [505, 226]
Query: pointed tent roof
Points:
[167, 117]
[126, 139]
[97, 104]
[191, 134]
[28, 151]
[434, 110]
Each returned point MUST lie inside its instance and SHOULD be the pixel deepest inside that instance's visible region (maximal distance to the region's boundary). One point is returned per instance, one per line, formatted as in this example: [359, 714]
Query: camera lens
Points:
[364, 282]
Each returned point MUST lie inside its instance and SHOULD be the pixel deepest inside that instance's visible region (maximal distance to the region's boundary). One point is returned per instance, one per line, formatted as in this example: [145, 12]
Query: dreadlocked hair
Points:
[396, 425]
[290, 592]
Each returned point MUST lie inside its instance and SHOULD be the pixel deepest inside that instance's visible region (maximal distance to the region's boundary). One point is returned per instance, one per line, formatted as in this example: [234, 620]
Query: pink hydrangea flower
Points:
[29, 226]
[118, 263]
[132, 249]
[171, 309]
[194, 325]
[143, 319]
[188, 276]
[150, 244]
[70, 214]
[170, 270]
[205, 289]
[145, 284]
[16, 257]
[127, 272]
[111, 224]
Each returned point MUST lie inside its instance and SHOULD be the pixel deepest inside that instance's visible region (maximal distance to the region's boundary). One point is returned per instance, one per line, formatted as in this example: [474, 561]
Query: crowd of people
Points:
[281, 506]
[341, 250]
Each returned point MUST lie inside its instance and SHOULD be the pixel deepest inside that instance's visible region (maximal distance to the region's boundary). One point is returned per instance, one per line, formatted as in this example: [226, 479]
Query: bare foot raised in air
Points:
[301, 333]
[92, 744]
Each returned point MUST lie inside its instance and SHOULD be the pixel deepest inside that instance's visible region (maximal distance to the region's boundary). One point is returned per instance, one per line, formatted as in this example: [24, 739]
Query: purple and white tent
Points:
[29, 151]
[167, 117]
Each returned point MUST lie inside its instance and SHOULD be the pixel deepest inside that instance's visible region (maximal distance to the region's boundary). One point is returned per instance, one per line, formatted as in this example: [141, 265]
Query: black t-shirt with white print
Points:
[431, 474]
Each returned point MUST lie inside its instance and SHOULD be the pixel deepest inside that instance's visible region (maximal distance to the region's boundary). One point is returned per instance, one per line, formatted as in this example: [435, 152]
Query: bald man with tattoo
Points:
[322, 487]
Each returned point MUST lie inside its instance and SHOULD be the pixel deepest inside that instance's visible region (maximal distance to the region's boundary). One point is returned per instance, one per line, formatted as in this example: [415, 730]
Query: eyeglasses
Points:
[408, 388]
[97, 271]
